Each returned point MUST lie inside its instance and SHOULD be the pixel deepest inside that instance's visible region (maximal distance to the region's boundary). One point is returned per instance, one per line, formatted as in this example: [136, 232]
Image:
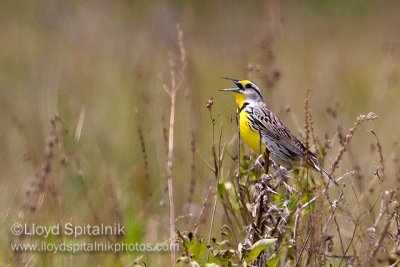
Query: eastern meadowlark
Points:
[258, 125]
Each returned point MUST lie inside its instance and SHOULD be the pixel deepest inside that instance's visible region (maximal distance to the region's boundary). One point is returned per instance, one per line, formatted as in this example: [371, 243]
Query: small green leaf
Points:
[225, 187]
[211, 265]
[292, 203]
[257, 248]
[185, 241]
[199, 248]
[273, 261]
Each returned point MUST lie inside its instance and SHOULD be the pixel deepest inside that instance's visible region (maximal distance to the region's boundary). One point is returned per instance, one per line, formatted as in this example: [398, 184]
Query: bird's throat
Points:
[240, 99]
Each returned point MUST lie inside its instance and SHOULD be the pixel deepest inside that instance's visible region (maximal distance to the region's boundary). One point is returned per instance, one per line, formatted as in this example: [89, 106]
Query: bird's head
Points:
[246, 91]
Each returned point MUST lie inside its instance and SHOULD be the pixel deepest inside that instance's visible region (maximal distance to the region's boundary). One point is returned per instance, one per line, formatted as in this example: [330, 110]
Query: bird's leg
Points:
[266, 154]
[259, 150]
[266, 159]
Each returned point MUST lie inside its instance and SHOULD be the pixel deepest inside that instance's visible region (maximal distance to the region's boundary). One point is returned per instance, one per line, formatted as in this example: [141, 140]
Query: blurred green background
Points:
[103, 60]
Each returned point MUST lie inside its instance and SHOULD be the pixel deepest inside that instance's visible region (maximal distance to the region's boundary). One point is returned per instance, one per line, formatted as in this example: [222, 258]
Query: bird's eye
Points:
[248, 86]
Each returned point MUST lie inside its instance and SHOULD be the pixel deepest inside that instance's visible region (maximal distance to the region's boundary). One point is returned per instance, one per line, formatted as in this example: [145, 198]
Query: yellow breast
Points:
[252, 138]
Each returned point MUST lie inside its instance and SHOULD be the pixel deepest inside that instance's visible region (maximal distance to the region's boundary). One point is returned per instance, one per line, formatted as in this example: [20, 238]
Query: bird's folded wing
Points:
[273, 128]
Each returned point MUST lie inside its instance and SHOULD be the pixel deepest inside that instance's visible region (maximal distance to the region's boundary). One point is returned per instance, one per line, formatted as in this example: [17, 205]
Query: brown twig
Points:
[271, 74]
[145, 161]
[176, 81]
[203, 211]
[386, 199]
[307, 120]
[381, 161]
[217, 156]
[37, 187]
[192, 184]
[350, 133]
[35, 194]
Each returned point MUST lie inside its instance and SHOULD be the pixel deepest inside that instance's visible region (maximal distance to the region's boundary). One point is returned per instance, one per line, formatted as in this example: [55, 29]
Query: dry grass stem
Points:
[349, 135]
[35, 195]
[387, 200]
[202, 215]
[145, 162]
[36, 191]
[192, 184]
[270, 72]
[308, 125]
[380, 172]
[79, 126]
[172, 89]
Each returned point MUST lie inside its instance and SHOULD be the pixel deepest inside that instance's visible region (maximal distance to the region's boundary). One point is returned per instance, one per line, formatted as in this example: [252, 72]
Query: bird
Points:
[260, 128]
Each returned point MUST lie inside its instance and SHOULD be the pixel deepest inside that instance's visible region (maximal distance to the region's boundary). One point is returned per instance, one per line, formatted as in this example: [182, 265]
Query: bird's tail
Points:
[313, 162]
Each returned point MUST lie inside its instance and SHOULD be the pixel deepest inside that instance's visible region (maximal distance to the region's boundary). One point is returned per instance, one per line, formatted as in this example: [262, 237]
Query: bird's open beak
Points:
[234, 90]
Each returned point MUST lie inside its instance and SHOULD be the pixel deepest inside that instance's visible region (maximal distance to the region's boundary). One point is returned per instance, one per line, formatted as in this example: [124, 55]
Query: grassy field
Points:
[85, 123]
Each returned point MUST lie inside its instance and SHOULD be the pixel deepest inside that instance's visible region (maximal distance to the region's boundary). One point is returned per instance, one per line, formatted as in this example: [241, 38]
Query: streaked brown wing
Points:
[274, 128]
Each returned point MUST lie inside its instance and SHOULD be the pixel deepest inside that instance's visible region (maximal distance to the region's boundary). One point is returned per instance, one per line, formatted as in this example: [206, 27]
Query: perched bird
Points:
[260, 128]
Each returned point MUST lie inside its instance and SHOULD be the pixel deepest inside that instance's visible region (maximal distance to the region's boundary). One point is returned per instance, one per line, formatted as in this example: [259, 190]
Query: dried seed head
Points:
[250, 67]
[210, 103]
